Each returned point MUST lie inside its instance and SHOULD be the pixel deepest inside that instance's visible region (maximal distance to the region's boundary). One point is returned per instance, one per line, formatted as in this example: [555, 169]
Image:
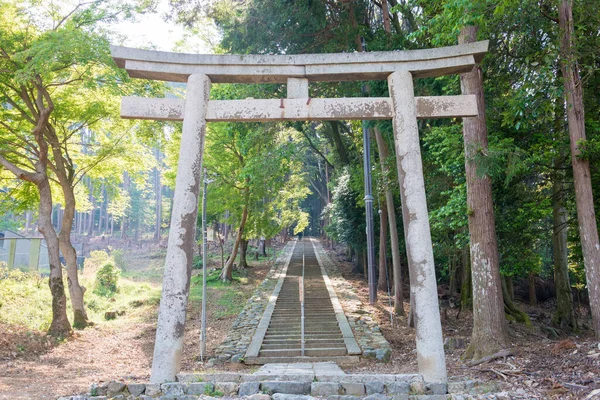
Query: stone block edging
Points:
[366, 330]
[233, 348]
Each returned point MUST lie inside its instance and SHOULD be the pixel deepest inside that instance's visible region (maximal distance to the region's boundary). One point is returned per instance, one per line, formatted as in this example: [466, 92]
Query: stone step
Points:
[297, 336]
[321, 352]
[297, 345]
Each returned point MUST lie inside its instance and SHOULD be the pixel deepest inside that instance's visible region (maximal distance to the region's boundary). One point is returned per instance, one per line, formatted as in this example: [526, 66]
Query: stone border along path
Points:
[328, 338]
[237, 341]
[299, 381]
[366, 330]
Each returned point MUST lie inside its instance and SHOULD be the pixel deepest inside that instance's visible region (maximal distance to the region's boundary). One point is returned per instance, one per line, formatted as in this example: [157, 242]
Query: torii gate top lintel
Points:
[228, 68]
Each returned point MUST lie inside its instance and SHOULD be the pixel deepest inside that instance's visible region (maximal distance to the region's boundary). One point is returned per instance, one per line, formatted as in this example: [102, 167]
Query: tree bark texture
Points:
[382, 149]
[586, 216]
[243, 253]
[489, 324]
[564, 316]
[382, 281]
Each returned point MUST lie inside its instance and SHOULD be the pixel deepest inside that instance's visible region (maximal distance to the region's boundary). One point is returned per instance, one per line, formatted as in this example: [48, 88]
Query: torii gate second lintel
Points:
[398, 67]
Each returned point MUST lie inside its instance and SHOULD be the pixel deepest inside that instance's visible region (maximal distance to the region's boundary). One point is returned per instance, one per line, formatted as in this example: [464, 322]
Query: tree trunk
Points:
[489, 324]
[512, 312]
[382, 283]
[60, 325]
[510, 287]
[80, 318]
[243, 253]
[383, 151]
[65, 176]
[466, 289]
[564, 316]
[228, 269]
[588, 230]
[385, 11]
[532, 295]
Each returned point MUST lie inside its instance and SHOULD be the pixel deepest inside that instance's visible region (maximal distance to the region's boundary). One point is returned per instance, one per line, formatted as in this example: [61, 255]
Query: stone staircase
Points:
[327, 336]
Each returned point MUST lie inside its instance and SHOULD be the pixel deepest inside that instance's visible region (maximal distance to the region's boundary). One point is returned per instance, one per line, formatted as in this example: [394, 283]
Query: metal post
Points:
[204, 238]
[369, 205]
[302, 306]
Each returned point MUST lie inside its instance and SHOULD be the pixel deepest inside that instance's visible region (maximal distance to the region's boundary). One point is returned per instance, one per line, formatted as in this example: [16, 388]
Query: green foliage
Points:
[107, 279]
[118, 255]
[25, 299]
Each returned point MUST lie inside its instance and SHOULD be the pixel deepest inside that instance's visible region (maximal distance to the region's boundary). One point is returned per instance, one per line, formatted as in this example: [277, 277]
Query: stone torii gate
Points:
[402, 107]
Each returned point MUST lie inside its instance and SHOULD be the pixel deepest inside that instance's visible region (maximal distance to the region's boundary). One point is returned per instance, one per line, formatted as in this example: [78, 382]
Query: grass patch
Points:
[25, 300]
[227, 296]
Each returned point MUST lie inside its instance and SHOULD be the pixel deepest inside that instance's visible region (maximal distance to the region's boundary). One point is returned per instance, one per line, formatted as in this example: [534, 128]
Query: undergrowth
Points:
[229, 300]
[26, 301]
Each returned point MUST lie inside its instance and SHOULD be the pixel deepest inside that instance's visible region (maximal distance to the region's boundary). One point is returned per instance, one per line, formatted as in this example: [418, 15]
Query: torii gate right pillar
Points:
[423, 284]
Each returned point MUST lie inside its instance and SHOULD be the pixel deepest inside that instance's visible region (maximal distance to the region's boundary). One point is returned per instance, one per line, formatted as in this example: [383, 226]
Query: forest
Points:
[510, 195]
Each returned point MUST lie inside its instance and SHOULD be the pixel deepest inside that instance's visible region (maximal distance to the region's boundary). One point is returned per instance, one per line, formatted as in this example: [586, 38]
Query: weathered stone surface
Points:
[286, 396]
[323, 389]
[398, 387]
[430, 346]
[99, 390]
[374, 387]
[417, 388]
[262, 68]
[343, 397]
[383, 355]
[354, 389]
[96, 398]
[136, 389]
[285, 387]
[227, 388]
[199, 388]
[248, 388]
[114, 388]
[259, 396]
[173, 389]
[437, 387]
[369, 339]
[153, 389]
[428, 397]
[402, 396]
[377, 396]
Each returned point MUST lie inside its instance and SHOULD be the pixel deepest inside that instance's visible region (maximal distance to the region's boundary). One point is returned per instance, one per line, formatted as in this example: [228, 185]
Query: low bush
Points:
[107, 279]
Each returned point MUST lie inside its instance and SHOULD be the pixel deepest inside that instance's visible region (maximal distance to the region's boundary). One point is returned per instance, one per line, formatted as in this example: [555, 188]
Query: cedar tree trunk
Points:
[489, 324]
[588, 229]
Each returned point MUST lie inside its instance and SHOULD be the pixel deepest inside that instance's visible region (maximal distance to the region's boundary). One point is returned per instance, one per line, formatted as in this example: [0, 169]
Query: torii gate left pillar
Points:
[170, 332]
[399, 68]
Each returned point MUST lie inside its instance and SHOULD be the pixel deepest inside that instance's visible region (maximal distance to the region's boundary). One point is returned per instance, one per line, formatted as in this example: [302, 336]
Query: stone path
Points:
[318, 332]
[287, 381]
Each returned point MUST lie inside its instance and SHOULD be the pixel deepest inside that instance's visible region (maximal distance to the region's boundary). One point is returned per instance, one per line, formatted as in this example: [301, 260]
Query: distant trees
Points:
[57, 84]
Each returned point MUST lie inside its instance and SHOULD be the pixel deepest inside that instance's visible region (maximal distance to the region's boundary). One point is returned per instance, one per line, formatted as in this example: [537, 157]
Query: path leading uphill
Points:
[303, 320]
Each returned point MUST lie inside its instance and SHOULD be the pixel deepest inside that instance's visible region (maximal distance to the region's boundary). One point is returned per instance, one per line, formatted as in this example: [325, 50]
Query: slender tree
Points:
[588, 228]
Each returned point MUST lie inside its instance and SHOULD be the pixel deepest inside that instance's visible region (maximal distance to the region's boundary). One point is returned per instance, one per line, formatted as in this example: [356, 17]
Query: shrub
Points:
[107, 278]
[94, 262]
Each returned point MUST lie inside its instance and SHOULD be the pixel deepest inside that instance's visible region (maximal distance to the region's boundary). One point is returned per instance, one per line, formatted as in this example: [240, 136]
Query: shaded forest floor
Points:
[561, 368]
[35, 366]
